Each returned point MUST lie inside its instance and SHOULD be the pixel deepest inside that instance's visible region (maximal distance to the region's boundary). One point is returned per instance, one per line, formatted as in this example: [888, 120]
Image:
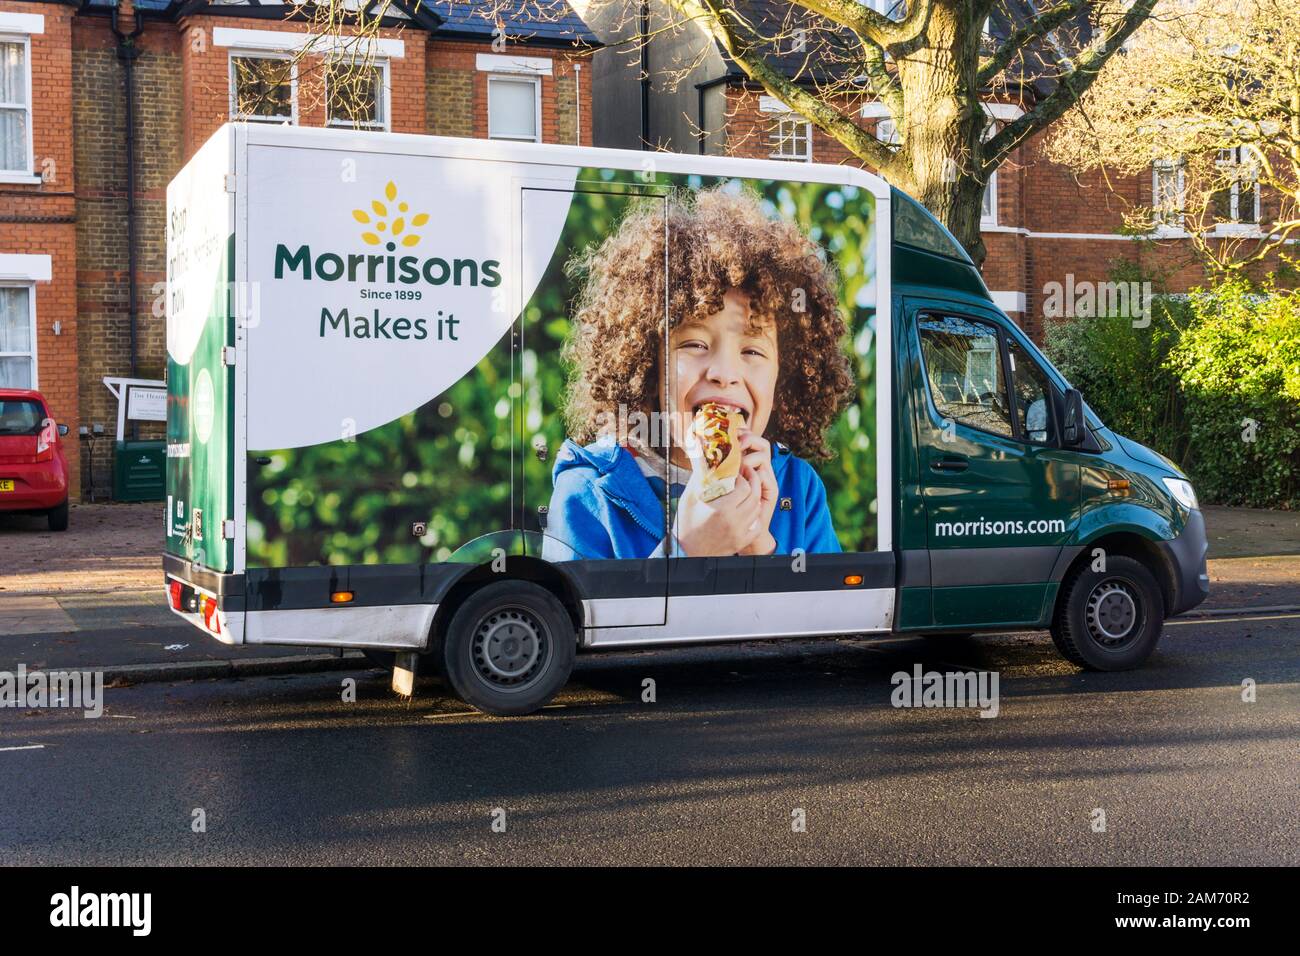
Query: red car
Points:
[33, 468]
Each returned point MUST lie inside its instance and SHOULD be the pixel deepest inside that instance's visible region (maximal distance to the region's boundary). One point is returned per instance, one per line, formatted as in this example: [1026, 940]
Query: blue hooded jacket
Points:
[604, 507]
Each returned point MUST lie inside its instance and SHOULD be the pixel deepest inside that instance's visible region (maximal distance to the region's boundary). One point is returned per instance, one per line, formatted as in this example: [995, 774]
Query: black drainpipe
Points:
[645, 75]
[127, 51]
[699, 117]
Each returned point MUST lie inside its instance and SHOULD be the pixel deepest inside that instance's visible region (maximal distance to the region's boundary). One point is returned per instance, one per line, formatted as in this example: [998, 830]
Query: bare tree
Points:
[1208, 101]
[932, 66]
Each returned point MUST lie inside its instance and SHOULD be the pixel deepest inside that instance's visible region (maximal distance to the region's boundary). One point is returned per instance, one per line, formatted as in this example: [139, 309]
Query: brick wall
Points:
[103, 277]
[38, 218]
[749, 132]
[457, 92]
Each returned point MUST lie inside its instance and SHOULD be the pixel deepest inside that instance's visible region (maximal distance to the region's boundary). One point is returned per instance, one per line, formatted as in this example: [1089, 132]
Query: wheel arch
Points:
[517, 568]
[1129, 542]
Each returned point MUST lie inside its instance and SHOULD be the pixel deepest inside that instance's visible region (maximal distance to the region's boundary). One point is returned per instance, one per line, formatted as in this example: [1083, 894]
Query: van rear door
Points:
[1000, 499]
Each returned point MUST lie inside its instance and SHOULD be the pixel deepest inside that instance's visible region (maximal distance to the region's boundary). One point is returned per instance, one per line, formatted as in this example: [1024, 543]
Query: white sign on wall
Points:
[146, 404]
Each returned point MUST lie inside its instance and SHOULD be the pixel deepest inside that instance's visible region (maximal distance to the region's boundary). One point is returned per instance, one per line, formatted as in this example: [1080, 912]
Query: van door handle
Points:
[949, 464]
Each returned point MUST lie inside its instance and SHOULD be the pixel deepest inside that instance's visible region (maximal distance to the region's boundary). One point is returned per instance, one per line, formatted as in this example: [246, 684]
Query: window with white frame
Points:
[989, 201]
[887, 133]
[15, 105]
[17, 337]
[1237, 204]
[357, 94]
[515, 108]
[791, 138]
[263, 87]
[1168, 189]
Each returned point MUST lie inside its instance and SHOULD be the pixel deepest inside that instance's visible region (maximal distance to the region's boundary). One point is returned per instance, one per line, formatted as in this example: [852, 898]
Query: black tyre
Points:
[509, 648]
[1109, 620]
[58, 517]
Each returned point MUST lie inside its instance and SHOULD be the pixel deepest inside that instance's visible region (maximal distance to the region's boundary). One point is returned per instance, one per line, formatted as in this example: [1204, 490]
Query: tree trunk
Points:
[943, 123]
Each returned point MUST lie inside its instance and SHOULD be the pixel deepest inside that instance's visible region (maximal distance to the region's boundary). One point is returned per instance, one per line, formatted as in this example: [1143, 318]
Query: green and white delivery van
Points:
[441, 397]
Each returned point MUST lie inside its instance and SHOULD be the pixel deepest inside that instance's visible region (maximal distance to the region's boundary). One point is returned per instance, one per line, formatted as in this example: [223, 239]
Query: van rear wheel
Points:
[509, 648]
[1109, 620]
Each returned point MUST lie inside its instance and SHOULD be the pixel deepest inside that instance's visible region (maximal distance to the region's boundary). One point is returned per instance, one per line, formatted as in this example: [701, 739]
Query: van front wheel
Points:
[1109, 620]
[509, 648]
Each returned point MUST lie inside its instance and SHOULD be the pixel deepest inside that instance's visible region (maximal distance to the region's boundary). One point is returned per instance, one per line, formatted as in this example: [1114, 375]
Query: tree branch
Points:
[1069, 88]
[1037, 28]
[883, 83]
[806, 104]
[876, 27]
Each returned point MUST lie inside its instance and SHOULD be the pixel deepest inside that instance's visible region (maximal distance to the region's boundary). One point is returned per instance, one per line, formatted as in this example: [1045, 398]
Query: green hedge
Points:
[1213, 383]
[1123, 373]
[1239, 367]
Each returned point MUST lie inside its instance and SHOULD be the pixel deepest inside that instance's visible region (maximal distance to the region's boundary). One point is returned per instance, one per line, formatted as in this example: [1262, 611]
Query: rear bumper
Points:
[37, 487]
[200, 587]
[1186, 556]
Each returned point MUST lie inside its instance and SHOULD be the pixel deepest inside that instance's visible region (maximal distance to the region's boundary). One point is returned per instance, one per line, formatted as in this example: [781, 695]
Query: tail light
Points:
[174, 594]
[46, 441]
[210, 618]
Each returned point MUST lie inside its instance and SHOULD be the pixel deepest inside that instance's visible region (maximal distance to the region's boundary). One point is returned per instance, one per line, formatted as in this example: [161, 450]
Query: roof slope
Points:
[548, 21]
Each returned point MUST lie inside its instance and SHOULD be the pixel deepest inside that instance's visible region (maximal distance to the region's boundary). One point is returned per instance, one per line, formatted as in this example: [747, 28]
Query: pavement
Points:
[92, 598]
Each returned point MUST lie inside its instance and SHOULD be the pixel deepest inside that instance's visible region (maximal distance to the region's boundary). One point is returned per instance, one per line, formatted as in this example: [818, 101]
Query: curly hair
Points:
[720, 241]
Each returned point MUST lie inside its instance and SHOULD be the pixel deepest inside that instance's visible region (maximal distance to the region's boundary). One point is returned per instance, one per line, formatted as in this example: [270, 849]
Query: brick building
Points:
[1041, 222]
[82, 190]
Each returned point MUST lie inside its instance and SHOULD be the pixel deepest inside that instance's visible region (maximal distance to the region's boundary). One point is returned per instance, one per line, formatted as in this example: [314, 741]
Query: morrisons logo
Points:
[371, 267]
[389, 224]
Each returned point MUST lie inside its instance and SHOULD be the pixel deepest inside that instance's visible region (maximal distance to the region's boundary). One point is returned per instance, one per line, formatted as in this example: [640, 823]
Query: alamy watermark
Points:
[923, 688]
[1126, 300]
[73, 909]
[70, 690]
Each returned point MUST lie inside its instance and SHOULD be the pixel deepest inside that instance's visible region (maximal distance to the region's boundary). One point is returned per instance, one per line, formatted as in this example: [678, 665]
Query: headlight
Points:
[1182, 491]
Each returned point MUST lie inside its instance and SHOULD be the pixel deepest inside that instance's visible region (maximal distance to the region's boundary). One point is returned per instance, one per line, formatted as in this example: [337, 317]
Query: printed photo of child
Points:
[754, 332]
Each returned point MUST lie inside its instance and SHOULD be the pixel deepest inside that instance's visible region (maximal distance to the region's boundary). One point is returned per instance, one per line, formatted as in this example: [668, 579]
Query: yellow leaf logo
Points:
[377, 219]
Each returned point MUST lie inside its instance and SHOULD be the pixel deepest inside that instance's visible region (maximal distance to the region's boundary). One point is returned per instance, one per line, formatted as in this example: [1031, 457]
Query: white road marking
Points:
[28, 747]
[1236, 620]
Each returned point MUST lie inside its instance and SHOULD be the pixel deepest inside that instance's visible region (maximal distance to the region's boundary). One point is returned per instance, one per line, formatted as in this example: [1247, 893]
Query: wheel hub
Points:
[1113, 614]
[509, 647]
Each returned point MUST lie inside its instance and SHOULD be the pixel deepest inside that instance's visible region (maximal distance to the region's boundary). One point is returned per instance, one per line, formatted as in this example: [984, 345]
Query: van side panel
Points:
[200, 393]
[408, 408]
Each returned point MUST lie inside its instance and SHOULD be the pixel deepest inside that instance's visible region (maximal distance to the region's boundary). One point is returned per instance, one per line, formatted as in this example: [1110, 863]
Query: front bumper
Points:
[1186, 557]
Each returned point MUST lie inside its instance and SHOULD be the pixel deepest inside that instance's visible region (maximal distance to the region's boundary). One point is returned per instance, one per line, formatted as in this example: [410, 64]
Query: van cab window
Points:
[964, 369]
[1033, 396]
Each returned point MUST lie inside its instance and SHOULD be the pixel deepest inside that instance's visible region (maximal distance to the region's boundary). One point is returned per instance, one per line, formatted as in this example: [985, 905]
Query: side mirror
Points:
[1073, 425]
[63, 429]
